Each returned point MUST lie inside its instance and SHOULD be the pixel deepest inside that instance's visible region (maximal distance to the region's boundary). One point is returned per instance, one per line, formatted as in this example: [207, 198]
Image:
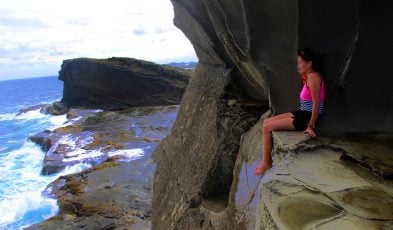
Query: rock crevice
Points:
[207, 173]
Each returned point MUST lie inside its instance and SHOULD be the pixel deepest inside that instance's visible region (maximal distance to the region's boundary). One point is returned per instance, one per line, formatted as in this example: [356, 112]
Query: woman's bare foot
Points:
[262, 168]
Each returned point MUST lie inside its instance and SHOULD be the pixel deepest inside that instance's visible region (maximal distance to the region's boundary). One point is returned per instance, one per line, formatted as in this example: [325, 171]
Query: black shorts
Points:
[301, 119]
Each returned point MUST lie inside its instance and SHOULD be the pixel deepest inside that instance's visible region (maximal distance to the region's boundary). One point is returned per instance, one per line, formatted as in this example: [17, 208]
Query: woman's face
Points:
[302, 66]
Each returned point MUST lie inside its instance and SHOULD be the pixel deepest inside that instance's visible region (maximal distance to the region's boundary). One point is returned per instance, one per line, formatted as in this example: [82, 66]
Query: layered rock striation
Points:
[247, 65]
[121, 83]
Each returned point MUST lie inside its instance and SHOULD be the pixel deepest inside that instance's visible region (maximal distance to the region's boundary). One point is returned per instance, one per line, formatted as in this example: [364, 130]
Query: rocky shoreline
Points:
[118, 110]
[115, 148]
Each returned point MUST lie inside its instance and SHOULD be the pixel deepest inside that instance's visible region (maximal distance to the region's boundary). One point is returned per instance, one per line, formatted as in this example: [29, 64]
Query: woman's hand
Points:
[310, 131]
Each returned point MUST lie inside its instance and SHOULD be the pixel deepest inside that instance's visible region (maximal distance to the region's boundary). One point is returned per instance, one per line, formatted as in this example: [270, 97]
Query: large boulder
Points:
[120, 83]
[247, 59]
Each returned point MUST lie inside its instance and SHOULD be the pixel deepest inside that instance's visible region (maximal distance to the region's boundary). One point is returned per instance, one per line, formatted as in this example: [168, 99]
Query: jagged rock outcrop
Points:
[120, 83]
[92, 136]
[115, 192]
[56, 108]
[247, 59]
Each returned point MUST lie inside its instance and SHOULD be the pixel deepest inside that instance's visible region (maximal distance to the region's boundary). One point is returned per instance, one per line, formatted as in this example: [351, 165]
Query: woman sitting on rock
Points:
[306, 118]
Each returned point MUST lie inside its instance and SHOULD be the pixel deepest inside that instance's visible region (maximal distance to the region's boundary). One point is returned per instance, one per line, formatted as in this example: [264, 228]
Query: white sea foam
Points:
[130, 154]
[74, 169]
[30, 115]
[7, 116]
[14, 208]
[67, 139]
[57, 121]
[21, 182]
[76, 118]
[28, 157]
[81, 155]
[75, 143]
[21, 189]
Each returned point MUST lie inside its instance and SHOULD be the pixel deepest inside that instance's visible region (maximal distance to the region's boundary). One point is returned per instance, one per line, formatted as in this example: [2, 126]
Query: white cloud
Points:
[37, 35]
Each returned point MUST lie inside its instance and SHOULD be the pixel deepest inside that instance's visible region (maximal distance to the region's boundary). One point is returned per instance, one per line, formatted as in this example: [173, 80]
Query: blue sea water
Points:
[22, 202]
[21, 183]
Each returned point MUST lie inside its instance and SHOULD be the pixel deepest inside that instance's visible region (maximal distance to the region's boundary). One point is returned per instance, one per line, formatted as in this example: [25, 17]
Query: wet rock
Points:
[42, 108]
[57, 108]
[113, 195]
[40, 139]
[93, 136]
[78, 114]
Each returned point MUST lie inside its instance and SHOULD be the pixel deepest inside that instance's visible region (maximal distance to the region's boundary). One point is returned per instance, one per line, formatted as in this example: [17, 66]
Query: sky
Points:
[37, 35]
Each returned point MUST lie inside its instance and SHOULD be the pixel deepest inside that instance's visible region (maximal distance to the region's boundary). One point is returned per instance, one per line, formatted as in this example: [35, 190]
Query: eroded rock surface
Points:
[252, 45]
[313, 187]
[196, 160]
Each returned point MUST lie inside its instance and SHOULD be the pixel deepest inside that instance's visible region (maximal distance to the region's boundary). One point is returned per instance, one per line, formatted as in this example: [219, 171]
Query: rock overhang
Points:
[259, 39]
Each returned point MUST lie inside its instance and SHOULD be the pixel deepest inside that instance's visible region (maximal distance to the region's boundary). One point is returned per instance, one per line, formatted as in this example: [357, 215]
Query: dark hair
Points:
[308, 55]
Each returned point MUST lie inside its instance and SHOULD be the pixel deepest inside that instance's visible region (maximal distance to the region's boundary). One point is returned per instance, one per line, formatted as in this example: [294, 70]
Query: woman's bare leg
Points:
[284, 123]
[278, 117]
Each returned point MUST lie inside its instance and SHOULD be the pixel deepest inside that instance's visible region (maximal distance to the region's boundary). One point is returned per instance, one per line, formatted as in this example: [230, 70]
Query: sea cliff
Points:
[117, 83]
[247, 66]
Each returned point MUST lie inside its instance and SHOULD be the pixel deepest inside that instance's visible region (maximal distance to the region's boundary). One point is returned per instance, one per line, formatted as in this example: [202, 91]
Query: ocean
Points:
[21, 183]
[22, 202]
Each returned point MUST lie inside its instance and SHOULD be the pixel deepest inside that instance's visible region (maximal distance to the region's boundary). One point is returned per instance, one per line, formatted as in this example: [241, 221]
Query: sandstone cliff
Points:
[247, 65]
[121, 83]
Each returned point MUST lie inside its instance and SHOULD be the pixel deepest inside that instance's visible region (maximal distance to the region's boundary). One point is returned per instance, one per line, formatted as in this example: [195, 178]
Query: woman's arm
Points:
[314, 83]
